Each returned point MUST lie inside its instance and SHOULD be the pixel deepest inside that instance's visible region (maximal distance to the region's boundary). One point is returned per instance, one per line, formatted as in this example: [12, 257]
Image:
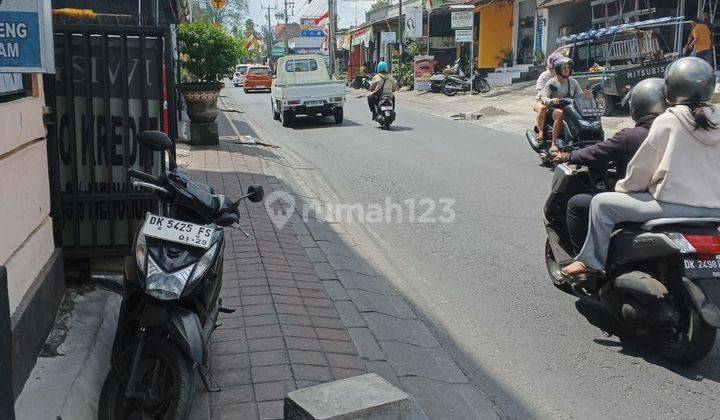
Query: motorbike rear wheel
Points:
[165, 376]
[553, 269]
[688, 344]
[449, 92]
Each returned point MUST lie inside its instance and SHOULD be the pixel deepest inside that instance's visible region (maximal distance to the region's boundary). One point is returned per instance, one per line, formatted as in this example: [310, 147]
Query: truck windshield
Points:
[306, 64]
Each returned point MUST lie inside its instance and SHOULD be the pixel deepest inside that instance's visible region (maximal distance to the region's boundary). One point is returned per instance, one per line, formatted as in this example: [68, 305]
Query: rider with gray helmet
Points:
[647, 101]
[674, 172]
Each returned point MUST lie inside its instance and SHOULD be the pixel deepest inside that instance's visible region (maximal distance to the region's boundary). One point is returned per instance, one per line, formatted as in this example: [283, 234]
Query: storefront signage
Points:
[424, 66]
[388, 37]
[26, 38]
[362, 36]
[463, 35]
[460, 20]
[413, 23]
[312, 33]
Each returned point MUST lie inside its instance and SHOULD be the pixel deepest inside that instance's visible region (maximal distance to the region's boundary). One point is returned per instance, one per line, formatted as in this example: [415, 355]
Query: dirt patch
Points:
[491, 111]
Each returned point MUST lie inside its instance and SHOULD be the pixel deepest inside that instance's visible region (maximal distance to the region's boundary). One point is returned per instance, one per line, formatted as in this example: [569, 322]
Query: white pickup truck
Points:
[302, 86]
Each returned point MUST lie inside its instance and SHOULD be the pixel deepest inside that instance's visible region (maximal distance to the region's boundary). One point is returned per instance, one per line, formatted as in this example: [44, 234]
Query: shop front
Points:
[495, 33]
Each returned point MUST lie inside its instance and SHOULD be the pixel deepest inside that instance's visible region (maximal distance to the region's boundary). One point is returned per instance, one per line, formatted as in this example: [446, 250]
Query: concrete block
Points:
[204, 134]
[361, 397]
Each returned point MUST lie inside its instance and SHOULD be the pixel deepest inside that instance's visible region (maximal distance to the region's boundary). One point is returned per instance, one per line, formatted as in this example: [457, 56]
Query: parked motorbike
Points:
[661, 276]
[386, 112]
[581, 123]
[171, 296]
[437, 81]
[456, 81]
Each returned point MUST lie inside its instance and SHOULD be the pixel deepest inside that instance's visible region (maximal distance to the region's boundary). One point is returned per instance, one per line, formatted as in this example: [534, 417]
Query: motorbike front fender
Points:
[707, 309]
[185, 331]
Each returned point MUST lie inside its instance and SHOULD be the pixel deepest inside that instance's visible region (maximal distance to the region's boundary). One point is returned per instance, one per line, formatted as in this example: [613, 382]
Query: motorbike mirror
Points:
[255, 193]
[157, 141]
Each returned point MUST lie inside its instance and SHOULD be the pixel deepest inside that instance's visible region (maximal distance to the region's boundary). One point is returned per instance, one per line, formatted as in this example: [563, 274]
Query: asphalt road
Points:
[479, 281]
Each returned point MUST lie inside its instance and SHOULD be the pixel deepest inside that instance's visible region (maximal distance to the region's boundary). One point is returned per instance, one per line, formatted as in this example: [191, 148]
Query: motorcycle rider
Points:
[647, 101]
[560, 87]
[540, 108]
[382, 84]
[673, 173]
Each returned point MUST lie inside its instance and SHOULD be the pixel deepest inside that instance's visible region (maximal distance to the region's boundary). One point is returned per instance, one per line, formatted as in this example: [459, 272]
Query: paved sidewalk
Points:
[310, 308]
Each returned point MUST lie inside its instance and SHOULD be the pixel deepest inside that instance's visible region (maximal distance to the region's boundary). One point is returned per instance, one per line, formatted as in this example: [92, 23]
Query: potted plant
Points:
[208, 54]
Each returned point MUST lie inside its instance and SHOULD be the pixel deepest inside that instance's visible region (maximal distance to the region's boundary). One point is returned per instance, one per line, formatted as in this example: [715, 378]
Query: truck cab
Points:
[302, 87]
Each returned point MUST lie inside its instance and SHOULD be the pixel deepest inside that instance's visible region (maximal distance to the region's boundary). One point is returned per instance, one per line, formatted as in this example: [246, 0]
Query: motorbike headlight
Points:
[204, 263]
[166, 286]
[140, 251]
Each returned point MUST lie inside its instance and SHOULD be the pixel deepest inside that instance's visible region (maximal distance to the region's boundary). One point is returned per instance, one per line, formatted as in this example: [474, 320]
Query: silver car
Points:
[239, 76]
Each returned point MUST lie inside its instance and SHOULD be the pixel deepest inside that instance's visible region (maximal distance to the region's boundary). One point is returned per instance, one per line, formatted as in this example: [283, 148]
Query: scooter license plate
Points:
[173, 230]
[702, 268]
[386, 108]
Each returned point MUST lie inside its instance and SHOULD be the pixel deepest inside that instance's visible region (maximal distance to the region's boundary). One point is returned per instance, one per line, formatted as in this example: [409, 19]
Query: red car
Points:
[258, 78]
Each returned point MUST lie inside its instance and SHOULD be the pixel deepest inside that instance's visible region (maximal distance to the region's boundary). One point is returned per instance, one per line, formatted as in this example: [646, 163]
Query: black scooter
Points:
[171, 297]
[661, 277]
[581, 124]
[385, 112]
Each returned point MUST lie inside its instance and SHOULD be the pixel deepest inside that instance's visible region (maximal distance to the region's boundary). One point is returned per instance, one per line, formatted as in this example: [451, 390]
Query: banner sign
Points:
[463, 35]
[413, 22]
[424, 66]
[318, 32]
[26, 37]
[388, 37]
[461, 20]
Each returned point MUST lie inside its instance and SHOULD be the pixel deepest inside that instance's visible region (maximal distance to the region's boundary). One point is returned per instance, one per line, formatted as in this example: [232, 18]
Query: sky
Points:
[346, 10]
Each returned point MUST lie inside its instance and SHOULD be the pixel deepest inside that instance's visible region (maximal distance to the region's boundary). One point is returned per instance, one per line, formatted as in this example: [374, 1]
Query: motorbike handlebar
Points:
[134, 173]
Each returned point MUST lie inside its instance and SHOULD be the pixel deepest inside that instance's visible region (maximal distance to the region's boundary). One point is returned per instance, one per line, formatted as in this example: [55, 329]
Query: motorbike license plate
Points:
[172, 230]
[701, 268]
[591, 112]
[386, 108]
[314, 103]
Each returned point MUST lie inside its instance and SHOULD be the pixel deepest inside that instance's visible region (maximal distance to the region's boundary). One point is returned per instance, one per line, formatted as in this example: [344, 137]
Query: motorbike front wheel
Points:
[164, 379]
[449, 92]
[687, 344]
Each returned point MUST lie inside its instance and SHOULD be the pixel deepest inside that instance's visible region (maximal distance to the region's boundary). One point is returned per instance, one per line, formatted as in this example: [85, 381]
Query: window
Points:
[241, 69]
[14, 86]
[259, 71]
[307, 64]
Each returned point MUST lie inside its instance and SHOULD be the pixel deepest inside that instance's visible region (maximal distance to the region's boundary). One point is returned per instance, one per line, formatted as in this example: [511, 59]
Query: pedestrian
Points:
[700, 41]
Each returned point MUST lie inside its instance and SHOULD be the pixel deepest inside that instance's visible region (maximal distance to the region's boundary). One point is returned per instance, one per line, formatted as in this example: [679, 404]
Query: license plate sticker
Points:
[697, 268]
[386, 108]
[314, 103]
[168, 229]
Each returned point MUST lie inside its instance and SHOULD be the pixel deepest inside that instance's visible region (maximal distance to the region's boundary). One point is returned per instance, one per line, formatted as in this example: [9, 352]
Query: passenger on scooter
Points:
[540, 108]
[647, 101]
[674, 172]
[562, 86]
[382, 84]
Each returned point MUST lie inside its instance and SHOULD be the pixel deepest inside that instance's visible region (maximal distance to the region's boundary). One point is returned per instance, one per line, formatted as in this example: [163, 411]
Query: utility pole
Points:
[332, 42]
[269, 33]
[287, 3]
[401, 25]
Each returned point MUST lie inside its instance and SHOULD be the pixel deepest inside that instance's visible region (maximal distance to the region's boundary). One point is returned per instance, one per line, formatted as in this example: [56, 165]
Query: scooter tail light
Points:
[681, 242]
[704, 244]
[294, 102]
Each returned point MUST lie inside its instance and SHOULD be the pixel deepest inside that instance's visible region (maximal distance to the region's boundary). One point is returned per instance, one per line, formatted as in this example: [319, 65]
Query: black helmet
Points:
[689, 81]
[647, 99]
[559, 63]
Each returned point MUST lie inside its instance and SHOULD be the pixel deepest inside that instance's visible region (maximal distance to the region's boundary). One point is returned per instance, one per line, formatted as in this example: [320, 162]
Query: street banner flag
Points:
[322, 20]
[431, 4]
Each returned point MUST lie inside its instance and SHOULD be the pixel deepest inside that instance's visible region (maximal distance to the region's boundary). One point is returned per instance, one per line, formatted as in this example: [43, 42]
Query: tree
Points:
[249, 26]
[231, 14]
[379, 4]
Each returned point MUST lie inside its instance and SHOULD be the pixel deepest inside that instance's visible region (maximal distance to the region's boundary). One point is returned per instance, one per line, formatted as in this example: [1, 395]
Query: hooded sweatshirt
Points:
[678, 163]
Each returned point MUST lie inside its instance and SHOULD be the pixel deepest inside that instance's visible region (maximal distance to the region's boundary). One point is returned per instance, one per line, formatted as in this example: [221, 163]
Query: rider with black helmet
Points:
[674, 172]
[647, 101]
[562, 86]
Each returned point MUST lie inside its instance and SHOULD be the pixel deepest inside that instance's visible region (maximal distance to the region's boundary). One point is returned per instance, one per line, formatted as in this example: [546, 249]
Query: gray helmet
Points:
[689, 81]
[647, 99]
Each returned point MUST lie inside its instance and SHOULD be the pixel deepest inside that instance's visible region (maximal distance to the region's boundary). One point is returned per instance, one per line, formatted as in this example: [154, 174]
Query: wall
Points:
[495, 33]
[26, 242]
[577, 16]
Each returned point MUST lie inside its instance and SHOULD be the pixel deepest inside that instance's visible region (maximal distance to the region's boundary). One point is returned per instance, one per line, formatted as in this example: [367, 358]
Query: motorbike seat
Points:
[680, 222]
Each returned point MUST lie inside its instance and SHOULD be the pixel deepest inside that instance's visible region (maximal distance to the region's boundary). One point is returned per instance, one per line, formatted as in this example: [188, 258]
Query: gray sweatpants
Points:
[608, 209]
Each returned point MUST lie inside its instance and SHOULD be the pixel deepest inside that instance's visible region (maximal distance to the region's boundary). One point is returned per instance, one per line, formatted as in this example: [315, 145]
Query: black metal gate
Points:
[111, 82]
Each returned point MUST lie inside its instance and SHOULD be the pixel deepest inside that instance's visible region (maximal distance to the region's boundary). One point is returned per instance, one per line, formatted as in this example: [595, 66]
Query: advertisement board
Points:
[413, 23]
[461, 20]
[424, 66]
[388, 37]
[463, 35]
[26, 37]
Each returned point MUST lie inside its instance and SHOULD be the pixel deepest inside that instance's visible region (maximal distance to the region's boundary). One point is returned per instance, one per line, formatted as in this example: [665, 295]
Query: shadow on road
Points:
[633, 345]
[305, 123]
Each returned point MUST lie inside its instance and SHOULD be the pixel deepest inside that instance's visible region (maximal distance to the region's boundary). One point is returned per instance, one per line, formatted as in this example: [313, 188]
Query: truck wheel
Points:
[286, 118]
[276, 114]
[606, 102]
[338, 116]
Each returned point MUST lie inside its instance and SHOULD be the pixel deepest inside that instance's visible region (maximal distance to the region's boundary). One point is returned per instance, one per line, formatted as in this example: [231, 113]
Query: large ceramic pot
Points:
[201, 99]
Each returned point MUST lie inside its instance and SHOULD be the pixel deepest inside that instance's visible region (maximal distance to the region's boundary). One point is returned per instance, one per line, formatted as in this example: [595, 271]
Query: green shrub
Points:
[208, 52]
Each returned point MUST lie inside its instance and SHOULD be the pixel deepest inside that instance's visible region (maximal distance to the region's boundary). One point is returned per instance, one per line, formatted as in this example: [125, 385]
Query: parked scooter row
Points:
[456, 79]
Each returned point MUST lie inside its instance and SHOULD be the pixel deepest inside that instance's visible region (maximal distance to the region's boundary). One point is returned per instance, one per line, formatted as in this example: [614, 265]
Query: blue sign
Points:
[538, 33]
[20, 39]
[312, 33]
